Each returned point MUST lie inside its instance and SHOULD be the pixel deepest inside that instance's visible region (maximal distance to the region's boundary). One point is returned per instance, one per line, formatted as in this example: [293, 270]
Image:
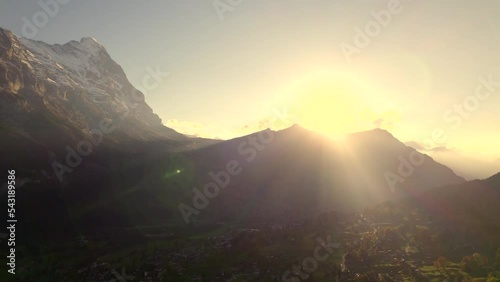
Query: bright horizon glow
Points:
[330, 103]
[227, 77]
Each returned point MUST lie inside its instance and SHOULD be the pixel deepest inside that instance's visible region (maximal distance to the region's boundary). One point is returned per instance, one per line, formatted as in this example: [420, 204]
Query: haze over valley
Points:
[242, 141]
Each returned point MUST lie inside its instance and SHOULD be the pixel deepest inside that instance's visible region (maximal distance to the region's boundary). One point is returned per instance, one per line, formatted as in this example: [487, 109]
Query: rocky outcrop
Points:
[75, 85]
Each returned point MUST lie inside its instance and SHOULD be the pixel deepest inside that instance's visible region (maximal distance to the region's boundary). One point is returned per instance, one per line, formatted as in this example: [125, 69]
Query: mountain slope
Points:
[296, 172]
[54, 96]
[470, 209]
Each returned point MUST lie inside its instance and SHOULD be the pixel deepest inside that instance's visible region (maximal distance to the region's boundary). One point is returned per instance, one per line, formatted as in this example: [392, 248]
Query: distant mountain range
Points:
[54, 97]
[470, 209]
[301, 172]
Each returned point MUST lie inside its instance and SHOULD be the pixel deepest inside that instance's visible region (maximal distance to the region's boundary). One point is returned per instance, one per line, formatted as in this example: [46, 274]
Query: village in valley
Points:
[380, 244]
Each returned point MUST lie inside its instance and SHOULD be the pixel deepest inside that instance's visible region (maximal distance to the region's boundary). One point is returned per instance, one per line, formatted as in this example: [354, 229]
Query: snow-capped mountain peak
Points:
[77, 81]
[74, 64]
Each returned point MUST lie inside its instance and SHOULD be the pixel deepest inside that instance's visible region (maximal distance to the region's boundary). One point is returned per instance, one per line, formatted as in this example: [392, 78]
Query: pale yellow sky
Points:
[411, 67]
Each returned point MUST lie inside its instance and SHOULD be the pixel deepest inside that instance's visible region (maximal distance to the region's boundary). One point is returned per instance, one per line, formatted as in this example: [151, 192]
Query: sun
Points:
[330, 103]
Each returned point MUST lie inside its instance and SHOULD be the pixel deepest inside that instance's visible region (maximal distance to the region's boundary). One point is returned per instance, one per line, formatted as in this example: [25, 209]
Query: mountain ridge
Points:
[307, 171]
[54, 96]
[48, 89]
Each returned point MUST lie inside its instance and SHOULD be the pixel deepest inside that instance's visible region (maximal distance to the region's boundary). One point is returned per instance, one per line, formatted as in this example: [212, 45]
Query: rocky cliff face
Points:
[87, 68]
[76, 85]
[54, 96]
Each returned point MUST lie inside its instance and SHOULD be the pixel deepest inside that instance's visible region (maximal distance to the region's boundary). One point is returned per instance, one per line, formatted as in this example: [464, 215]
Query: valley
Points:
[106, 192]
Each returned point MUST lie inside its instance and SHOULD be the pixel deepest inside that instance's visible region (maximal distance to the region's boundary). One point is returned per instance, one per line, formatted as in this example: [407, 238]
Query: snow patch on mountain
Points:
[68, 64]
[83, 65]
[77, 82]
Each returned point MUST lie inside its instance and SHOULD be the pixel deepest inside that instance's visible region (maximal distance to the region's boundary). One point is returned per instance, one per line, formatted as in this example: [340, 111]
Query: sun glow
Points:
[332, 104]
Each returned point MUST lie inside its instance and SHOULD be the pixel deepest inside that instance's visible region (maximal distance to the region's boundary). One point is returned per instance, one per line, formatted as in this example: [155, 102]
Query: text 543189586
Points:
[11, 221]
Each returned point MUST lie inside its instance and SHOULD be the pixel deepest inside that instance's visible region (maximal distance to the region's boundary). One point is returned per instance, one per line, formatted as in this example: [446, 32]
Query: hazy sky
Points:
[427, 71]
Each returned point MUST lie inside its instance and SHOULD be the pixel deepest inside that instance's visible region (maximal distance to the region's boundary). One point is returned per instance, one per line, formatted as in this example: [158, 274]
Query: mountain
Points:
[494, 180]
[296, 172]
[63, 103]
[470, 209]
[54, 96]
